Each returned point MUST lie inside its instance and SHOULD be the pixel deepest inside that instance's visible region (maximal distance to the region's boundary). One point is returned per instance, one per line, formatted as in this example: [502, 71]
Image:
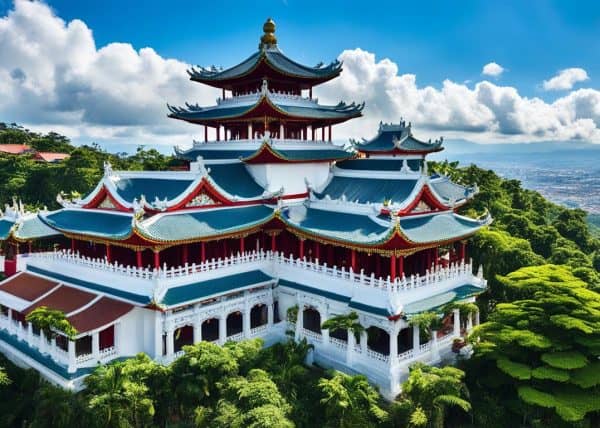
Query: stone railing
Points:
[272, 260]
[235, 337]
[377, 356]
[338, 343]
[406, 355]
[258, 330]
[311, 335]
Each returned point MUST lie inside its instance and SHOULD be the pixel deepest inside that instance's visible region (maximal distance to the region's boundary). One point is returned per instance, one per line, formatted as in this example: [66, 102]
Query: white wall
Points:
[292, 177]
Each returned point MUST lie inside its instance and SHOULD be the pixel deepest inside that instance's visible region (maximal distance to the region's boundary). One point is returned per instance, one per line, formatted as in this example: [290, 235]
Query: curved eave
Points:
[264, 107]
[268, 154]
[264, 67]
[230, 232]
[84, 232]
[397, 151]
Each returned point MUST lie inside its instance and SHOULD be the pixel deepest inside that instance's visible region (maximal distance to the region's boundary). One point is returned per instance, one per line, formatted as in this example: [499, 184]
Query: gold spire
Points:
[269, 37]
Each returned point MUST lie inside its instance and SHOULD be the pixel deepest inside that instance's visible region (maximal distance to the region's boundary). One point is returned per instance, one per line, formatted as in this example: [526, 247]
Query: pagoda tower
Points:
[267, 92]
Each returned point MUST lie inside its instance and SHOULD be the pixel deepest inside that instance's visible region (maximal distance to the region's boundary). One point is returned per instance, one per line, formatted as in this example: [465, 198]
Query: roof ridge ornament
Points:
[108, 171]
[268, 39]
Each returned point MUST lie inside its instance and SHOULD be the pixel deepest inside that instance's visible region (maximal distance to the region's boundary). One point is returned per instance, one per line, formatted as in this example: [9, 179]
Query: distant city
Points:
[570, 177]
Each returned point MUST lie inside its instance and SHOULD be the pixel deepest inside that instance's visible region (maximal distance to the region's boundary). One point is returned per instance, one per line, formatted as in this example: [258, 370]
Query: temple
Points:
[272, 229]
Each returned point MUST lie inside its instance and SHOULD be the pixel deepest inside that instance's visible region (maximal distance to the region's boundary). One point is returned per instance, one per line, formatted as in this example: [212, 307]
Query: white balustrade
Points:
[338, 343]
[425, 347]
[107, 352]
[377, 356]
[407, 355]
[80, 359]
[311, 335]
[437, 274]
[236, 337]
[258, 330]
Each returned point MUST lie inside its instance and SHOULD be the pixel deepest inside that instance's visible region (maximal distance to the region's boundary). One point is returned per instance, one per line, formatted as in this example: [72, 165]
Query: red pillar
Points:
[330, 255]
[436, 256]
[317, 251]
[72, 245]
[463, 250]
[330, 133]
[301, 247]
[205, 133]
[108, 255]
[242, 245]
[353, 260]
[273, 242]
[156, 259]
[312, 130]
[29, 247]
[138, 258]
[218, 133]
[310, 93]
[203, 252]
[378, 265]
[428, 259]
[224, 248]
[393, 267]
[184, 254]
[400, 266]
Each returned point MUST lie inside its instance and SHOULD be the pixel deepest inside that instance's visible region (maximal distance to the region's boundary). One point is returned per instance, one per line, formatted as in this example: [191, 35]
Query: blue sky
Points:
[443, 44]
[436, 40]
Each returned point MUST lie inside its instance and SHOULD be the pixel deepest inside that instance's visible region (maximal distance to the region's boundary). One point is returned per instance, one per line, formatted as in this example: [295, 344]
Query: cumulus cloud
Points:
[482, 111]
[54, 77]
[492, 69]
[51, 72]
[565, 79]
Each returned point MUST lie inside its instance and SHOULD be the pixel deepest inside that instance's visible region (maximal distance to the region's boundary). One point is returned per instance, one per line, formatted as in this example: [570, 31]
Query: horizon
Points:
[80, 71]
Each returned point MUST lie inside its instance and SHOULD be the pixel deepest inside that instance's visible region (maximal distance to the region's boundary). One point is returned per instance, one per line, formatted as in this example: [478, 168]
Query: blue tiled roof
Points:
[5, 227]
[355, 228]
[449, 190]
[338, 112]
[438, 301]
[193, 154]
[276, 59]
[366, 190]
[211, 287]
[96, 223]
[235, 179]
[137, 298]
[438, 227]
[34, 228]
[130, 188]
[384, 141]
[332, 154]
[379, 164]
[204, 223]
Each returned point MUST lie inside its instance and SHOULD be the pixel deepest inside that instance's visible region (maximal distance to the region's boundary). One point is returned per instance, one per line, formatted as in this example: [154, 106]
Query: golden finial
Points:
[269, 37]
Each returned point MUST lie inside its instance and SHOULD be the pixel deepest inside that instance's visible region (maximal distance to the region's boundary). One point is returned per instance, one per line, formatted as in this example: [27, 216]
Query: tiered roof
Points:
[267, 61]
[265, 103]
[396, 139]
[22, 226]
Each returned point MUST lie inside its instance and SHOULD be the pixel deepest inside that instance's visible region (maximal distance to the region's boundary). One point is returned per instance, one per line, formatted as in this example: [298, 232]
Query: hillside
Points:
[542, 261]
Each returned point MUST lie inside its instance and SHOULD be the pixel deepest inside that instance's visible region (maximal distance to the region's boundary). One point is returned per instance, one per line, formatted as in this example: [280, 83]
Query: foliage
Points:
[428, 395]
[51, 321]
[345, 322]
[350, 401]
[539, 349]
[292, 314]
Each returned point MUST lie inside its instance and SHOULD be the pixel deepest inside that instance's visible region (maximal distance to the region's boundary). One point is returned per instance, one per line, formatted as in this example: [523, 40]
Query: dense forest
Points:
[536, 354]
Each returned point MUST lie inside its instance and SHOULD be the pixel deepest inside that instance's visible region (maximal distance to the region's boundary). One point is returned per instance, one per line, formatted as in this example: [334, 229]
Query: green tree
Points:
[350, 401]
[51, 321]
[345, 322]
[540, 352]
[427, 396]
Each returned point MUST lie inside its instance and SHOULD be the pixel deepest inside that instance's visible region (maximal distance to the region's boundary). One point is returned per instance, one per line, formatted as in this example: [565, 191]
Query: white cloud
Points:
[52, 73]
[492, 69]
[565, 79]
[482, 112]
[53, 77]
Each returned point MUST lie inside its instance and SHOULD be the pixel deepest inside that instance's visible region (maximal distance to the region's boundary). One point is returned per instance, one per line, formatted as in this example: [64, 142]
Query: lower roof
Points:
[100, 314]
[438, 301]
[214, 287]
[368, 190]
[27, 287]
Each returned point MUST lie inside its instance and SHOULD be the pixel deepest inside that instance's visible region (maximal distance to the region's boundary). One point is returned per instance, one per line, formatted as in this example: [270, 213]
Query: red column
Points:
[218, 133]
[428, 259]
[29, 247]
[138, 258]
[312, 130]
[436, 255]
[203, 252]
[310, 93]
[400, 266]
[184, 254]
[317, 251]
[301, 248]
[330, 255]
[378, 265]
[72, 245]
[156, 259]
[225, 248]
[205, 133]
[242, 245]
[393, 267]
[273, 242]
[463, 250]
[353, 260]
[330, 133]
[108, 256]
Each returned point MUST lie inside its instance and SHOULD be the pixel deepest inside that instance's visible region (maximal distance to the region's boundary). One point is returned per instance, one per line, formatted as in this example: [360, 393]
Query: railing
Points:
[258, 330]
[338, 343]
[437, 274]
[309, 334]
[79, 359]
[107, 352]
[406, 355]
[235, 337]
[425, 347]
[377, 356]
